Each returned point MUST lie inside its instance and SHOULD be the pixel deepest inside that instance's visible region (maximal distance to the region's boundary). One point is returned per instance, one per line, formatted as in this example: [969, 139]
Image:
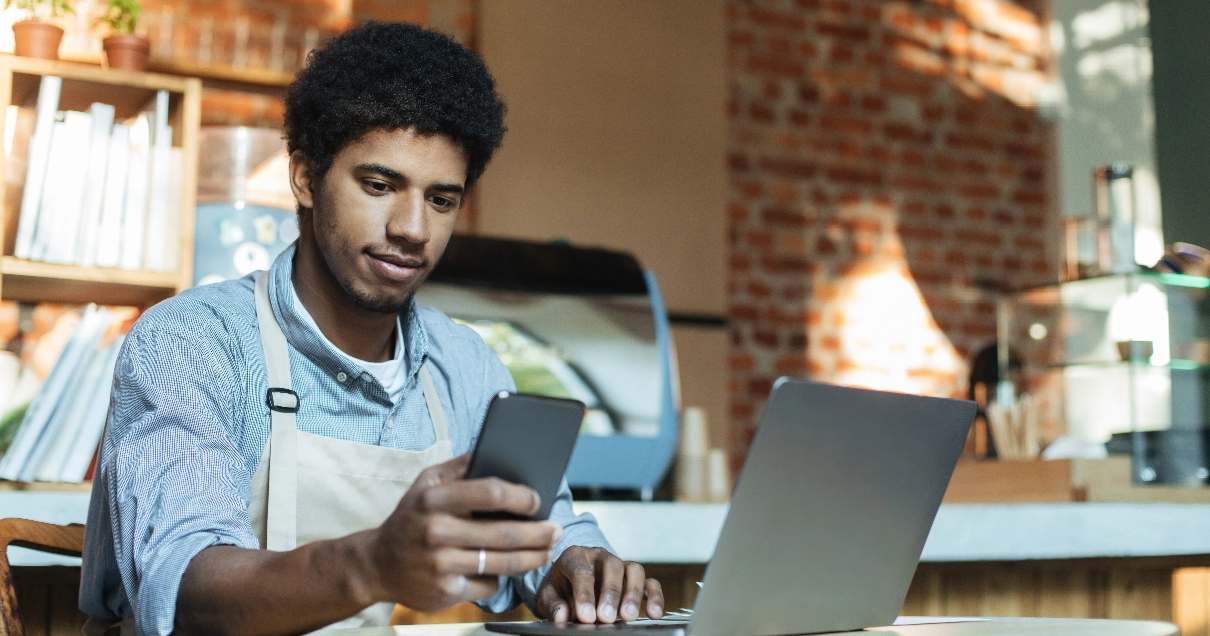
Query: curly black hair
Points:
[393, 76]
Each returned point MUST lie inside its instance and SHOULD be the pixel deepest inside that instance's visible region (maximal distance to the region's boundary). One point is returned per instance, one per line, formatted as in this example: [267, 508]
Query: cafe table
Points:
[920, 627]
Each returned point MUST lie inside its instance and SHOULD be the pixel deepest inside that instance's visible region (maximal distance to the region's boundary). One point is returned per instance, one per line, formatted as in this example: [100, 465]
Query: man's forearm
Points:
[234, 591]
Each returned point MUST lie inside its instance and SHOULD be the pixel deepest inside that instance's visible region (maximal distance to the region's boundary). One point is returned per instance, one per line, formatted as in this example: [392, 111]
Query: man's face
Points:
[384, 212]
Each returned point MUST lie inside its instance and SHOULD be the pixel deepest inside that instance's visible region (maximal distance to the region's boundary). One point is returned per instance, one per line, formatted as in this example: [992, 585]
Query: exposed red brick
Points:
[854, 125]
[760, 239]
[873, 104]
[906, 86]
[1029, 196]
[775, 66]
[759, 290]
[785, 217]
[979, 191]
[762, 113]
[741, 362]
[969, 141]
[854, 176]
[777, 19]
[765, 338]
[737, 211]
[841, 54]
[744, 312]
[843, 31]
[900, 131]
[978, 237]
[788, 167]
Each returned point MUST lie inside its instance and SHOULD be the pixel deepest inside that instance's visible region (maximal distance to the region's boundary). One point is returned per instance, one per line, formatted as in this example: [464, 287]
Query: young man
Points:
[279, 454]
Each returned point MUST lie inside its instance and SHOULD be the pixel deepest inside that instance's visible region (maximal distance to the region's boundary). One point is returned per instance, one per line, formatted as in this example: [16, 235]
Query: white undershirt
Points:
[392, 374]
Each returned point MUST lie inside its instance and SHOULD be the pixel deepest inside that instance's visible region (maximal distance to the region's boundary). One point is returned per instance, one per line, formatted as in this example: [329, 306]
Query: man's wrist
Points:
[363, 583]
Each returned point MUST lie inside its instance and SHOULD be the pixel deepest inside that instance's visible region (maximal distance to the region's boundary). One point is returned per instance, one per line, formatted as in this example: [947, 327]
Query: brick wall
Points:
[887, 167]
[275, 35]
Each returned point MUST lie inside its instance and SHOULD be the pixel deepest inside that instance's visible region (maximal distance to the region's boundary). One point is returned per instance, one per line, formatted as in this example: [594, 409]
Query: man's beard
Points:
[358, 298]
[380, 305]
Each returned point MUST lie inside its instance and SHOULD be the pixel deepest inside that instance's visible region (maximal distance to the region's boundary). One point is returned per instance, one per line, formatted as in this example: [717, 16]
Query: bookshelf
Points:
[130, 93]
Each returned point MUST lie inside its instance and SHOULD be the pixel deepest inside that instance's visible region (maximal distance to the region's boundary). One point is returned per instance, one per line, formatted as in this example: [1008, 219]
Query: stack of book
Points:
[53, 425]
[99, 192]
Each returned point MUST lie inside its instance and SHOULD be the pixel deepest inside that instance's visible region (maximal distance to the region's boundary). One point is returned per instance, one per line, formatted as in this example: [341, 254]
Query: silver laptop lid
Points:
[831, 511]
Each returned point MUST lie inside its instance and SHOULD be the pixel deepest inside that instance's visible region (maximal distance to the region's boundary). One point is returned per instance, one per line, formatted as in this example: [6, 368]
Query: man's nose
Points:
[408, 220]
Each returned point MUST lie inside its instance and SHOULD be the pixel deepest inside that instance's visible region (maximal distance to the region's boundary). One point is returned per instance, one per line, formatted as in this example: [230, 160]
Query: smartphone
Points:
[527, 439]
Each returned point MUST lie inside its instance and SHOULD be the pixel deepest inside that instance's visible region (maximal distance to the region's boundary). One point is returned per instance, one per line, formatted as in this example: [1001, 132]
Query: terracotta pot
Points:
[127, 52]
[34, 38]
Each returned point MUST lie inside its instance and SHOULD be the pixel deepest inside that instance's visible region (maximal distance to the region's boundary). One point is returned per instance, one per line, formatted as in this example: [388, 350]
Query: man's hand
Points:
[426, 554]
[597, 583]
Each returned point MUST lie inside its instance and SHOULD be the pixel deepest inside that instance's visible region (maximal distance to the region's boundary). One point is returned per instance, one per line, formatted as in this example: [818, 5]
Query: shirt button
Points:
[341, 377]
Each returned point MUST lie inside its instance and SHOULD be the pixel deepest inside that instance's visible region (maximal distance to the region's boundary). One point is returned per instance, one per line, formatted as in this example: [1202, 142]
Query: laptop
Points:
[828, 518]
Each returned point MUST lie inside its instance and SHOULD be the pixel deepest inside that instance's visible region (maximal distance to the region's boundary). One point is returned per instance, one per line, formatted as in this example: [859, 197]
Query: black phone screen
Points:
[527, 439]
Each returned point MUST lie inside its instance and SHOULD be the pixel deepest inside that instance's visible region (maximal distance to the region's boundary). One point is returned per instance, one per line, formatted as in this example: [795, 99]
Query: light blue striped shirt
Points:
[188, 422]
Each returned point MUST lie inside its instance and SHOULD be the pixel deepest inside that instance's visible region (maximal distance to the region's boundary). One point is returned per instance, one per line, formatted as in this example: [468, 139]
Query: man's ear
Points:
[300, 179]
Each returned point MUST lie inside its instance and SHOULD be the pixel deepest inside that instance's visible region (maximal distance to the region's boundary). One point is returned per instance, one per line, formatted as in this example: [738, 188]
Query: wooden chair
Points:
[46, 537]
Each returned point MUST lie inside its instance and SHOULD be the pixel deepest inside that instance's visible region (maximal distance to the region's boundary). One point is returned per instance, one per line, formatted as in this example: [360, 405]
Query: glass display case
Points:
[1129, 357]
[581, 323]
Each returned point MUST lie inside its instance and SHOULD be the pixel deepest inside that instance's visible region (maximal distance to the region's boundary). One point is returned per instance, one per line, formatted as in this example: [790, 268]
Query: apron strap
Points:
[281, 518]
[440, 427]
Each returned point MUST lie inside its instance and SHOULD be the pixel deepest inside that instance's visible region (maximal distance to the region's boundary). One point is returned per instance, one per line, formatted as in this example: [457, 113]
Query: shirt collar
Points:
[310, 343]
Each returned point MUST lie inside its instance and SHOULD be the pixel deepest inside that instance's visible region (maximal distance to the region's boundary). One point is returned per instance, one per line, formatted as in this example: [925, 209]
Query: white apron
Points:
[310, 487]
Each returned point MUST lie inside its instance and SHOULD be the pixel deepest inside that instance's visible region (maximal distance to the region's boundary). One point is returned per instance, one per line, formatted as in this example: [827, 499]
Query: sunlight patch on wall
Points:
[982, 46]
[869, 324]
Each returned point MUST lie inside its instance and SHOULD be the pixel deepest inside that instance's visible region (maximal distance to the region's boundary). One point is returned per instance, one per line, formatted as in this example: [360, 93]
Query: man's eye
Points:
[377, 186]
[443, 202]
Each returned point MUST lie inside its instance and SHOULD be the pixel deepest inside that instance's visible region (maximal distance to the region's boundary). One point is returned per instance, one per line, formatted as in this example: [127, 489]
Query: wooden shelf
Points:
[33, 281]
[130, 93]
[256, 77]
[94, 73]
[12, 266]
[43, 486]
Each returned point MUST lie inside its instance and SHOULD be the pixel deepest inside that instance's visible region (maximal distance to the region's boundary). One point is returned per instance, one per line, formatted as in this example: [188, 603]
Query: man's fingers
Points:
[443, 472]
[447, 531]
[583, 590]
[481, 587]
[655, 599]
[612, 573]
[495, 563]
[632, 597]
[461, 498]
[551, 606]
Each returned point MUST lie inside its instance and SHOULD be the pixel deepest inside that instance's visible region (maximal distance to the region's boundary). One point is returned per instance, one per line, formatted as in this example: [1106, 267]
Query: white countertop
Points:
[686, 533]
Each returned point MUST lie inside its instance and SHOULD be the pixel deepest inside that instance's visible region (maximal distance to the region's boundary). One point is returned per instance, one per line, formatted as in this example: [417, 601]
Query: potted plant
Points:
[123, 48]
[35, 36]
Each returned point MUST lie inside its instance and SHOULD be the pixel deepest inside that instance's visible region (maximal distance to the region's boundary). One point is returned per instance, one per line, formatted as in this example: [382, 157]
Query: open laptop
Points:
[828, 519]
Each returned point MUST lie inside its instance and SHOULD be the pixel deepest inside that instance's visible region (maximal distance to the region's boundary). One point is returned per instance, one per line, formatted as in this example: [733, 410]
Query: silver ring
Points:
[482, 562]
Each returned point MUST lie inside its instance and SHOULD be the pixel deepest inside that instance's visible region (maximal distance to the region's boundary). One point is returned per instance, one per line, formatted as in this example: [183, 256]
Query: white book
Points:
[94, 327]
[59, 149]
[92, 428]
[71, 411]
[157, 204]
[134, 218]
[94, 188]
[35, 172]
[62, 432]
[105, 251]
[27, 446]
[172, 229]
[63, 192]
